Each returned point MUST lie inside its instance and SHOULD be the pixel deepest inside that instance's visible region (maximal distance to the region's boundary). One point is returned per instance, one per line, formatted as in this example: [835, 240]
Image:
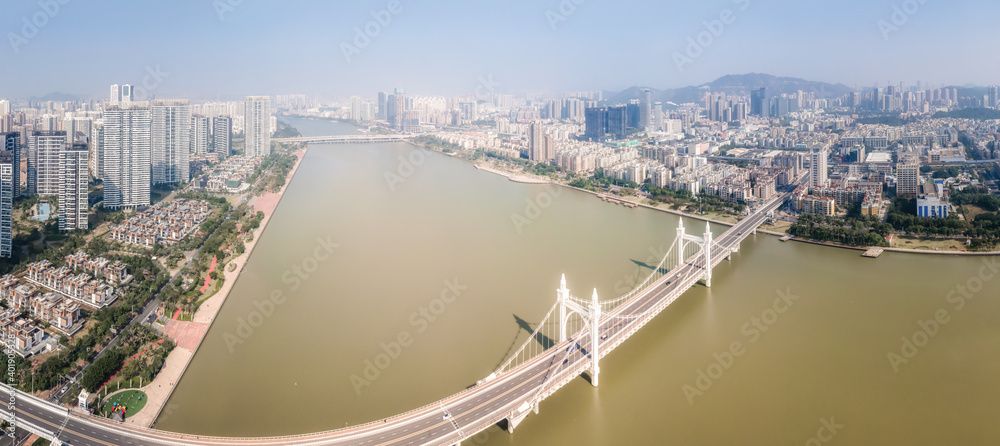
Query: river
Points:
[381, 243]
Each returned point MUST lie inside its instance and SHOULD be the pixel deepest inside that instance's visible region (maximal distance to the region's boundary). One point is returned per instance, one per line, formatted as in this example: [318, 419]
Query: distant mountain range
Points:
[56, 96]
[734, 84]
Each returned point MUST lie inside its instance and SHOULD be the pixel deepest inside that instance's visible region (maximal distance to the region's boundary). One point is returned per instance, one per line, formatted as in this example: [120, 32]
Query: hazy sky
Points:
[226, 48]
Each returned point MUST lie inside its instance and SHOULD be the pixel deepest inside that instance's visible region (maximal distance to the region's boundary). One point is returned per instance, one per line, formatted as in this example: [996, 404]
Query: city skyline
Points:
[681, 45]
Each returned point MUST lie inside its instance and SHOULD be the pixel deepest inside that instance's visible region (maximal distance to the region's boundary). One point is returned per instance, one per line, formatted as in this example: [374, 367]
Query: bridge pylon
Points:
[592, 313]
[705, 242]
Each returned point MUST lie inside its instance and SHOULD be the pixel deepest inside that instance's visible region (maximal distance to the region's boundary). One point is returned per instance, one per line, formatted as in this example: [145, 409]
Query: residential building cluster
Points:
[230, 176]
[83, 287]
[162, 223]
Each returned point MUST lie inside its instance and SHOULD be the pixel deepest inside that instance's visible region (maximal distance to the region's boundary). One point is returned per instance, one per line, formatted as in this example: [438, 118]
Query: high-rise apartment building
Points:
[96, 149]
[222, 132]
[908, 177]
[536, 143]
[127, 151]
[382, 104]
[7, 188]
[122, 93]
[171, 141]
[74, 181]
[257, 114]
[11, 143]
[818, 157]
[199, 135]
[43, 161]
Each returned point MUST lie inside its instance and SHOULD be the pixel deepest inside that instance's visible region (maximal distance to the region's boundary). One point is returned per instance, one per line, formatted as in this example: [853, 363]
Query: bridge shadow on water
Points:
[644, 265]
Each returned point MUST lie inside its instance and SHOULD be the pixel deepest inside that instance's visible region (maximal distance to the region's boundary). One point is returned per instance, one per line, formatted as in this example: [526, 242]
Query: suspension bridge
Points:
[569, 341]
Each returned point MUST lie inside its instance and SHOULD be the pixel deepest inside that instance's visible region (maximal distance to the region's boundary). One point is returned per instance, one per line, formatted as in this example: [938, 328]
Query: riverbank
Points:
[177, 362]
[527, 179]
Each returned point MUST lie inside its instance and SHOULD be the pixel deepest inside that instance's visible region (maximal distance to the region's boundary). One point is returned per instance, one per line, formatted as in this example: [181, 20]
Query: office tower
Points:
[199, 135]
[397, 115]
[127, 150]
[536, 142]
[170, 141]
[617, 122]
[96, 149]
[818, 166]
[658, 116]
[760, 103]
[633, 114]
[382, 104]
[993, 100]
[7, 192]
[43, 161]
[12, 145]
[222, 132]
[257, 114]
[74, 181]
[596, 124]
[908, 176]
[646, 110]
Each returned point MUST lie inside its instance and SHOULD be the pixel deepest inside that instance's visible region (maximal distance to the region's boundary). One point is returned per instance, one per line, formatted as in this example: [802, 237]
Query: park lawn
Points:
[971, 211]
[129, 399]
[943, 244]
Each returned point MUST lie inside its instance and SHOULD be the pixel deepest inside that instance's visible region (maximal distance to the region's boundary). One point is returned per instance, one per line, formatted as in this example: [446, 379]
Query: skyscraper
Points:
[12, 144]
[596, 124]
[222, 131]
[43, 161]
[127, 150]
[818, 166]
[97, 149]
[382, 105]
[74, 181]
[646, 111]
[536, 142]
[122, 93]
[760, 103]
[7, 188]
[397, 114]
[171, 141]
[617, 122]
[257, 114]
[199, 135]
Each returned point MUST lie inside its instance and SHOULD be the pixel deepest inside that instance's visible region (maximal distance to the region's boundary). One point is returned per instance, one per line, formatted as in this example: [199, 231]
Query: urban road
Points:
[445, 422]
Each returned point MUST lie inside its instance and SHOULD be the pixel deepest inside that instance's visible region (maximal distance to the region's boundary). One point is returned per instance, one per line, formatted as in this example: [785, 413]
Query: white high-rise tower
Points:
[257, 114]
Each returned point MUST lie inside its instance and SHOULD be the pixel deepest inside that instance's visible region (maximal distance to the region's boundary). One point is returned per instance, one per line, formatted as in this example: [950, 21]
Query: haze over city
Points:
[445, 47]
[557, 222]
